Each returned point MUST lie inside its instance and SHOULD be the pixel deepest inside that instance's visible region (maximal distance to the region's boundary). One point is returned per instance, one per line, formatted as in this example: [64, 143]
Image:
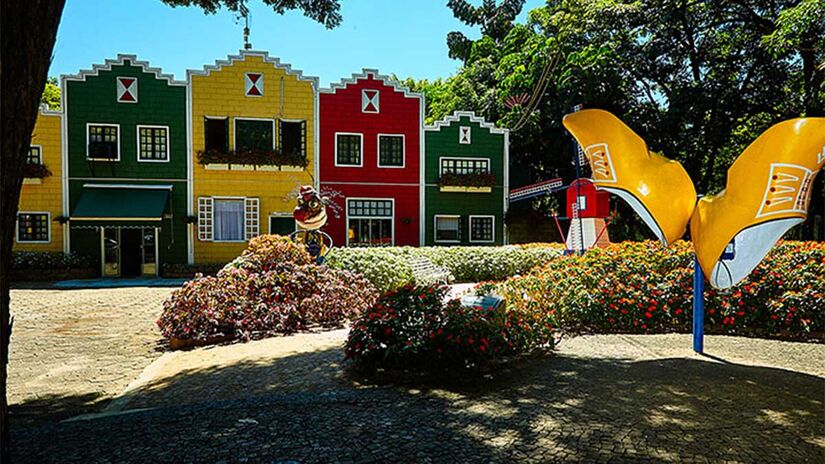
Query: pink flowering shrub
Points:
[412, 328]
[641, 287]
[271, 288]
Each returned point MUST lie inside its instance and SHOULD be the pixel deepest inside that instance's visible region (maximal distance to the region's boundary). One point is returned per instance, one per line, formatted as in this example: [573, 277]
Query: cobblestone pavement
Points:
[598, 399]
[72, 350]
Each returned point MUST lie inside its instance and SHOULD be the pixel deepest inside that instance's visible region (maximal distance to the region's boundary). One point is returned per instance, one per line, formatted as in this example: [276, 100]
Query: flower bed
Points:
[476, 179]
[388, 268]
[412, 328]
[640, 287]
[272, 288]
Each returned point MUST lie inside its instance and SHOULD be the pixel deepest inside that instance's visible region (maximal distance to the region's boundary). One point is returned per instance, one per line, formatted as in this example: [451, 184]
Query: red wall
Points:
[340, 111]
[598, 201]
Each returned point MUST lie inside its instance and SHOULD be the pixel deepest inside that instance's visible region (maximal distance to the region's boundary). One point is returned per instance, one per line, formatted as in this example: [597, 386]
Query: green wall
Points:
[443, 142]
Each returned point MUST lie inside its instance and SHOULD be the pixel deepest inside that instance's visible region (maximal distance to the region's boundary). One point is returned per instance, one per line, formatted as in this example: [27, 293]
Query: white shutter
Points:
[251, 217]
[205, 219]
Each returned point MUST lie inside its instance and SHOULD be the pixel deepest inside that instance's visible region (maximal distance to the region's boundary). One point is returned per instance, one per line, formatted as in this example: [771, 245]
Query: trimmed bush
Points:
[641, 287]
[270, 289]
[47, 261]
[412, 328]
[388, 268]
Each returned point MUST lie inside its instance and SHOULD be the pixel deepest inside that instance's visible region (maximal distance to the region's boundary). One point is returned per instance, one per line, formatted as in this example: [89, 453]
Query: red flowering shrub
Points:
[641, 287]
[412, 328]
[271, 288]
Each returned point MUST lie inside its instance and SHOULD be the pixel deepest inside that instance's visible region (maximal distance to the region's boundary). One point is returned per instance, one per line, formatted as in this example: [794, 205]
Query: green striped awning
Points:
[121, 203]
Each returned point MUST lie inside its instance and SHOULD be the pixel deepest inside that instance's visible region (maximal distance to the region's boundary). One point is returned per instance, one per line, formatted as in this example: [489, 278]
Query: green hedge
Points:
[640, 287]
[47, 261]
[388, 268]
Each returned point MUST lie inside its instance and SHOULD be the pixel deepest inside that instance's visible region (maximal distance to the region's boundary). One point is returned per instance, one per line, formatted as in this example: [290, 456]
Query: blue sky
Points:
[405, 37]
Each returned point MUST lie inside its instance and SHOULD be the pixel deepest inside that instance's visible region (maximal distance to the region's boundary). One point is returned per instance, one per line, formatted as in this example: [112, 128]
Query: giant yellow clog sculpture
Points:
[767, 192]
[768, 189]
[658, 189]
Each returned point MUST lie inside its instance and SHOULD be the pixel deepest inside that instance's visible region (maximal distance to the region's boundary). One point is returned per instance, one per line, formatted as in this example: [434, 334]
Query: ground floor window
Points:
[482, 228]
[33, 227]
[228, 220]
[281, 225]
[447, 228]
[370, 222]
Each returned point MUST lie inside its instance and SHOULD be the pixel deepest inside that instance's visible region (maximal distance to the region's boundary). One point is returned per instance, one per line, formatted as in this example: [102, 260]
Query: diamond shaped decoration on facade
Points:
[464, 135]
[254, 85]
[127, 90]
[369, 101]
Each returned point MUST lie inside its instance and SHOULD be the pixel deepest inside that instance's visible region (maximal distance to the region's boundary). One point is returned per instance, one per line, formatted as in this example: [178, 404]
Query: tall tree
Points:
[28, 29]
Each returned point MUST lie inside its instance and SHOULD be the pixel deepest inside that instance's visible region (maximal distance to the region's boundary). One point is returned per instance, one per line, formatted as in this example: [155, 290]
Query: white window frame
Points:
[168, 143]
[462, 158]
[243, 219]
[364, 99]
[39, 151]
[391, 218]
[581, 202]
[435, 227]
[403, 151]
[361, 164]
[235, 120]
[482, 216]
[263, 89]
[102, 124]
[280, 216]
[48, 227]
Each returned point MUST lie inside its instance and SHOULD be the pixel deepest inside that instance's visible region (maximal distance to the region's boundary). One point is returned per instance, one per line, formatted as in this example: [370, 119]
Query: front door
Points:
[131, 252]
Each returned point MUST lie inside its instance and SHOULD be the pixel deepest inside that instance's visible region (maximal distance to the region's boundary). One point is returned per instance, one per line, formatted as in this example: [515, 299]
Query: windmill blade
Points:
[768, 191]
[658, 189]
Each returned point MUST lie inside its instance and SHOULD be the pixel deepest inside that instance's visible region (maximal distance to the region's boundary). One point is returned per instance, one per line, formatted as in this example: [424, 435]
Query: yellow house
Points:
[41, 199]
[253, 131]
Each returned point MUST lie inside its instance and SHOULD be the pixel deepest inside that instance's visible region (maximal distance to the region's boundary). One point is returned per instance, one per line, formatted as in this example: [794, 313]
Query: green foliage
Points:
[47, 260]
[326, 12]
[639, 287]
[475, 179]
[412, 328]
[389, 269]
[51, 94]
[254, 157]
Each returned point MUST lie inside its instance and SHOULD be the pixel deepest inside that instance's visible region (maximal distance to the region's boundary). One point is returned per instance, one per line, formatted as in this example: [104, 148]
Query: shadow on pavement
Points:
[551, 409]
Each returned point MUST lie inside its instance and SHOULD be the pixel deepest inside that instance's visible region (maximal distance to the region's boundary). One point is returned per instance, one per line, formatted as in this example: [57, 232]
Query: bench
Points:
[425, 272]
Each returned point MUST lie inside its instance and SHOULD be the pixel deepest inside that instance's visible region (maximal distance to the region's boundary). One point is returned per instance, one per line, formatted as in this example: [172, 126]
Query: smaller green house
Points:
[465, 181]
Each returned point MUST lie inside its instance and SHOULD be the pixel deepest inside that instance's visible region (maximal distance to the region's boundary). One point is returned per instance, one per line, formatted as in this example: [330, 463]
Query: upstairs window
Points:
[254, 84]
[254, 134]
[33, 227]
[464, 166]
[216, 134]
[103, 142]
[35, 156]
[293, 138]
[465, 135]
[127, 89]
[391, 151]
[153, 143]
[348, 148]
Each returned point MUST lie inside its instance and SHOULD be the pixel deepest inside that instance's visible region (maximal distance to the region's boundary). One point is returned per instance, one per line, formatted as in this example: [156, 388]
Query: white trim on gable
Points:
[367, 73]
[232, 59]
[119, 61]
[457, 115]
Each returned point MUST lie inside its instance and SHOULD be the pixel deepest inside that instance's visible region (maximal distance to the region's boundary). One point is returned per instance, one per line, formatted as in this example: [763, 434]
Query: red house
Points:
[371, 161]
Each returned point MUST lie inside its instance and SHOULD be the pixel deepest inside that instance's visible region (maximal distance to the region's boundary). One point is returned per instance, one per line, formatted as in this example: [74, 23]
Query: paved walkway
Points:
[71, 351]
[598, 399]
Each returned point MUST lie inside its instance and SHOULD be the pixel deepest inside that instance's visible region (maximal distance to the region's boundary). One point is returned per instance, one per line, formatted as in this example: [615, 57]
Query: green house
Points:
[465, 181]
[127, 167]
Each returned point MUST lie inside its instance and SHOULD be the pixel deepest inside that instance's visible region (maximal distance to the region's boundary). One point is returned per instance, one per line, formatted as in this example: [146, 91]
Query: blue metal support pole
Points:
[698, 307]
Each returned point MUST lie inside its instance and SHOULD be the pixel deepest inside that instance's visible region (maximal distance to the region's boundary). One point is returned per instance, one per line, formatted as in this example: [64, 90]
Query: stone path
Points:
[598, 399]
[73, 350]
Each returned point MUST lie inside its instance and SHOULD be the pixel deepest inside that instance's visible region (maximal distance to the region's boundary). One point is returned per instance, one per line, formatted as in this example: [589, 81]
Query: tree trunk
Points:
[29, 29]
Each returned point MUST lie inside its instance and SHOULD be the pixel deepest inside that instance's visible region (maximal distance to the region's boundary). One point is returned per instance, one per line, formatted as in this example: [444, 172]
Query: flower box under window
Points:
[478, 182]
[252, 160]
[35, 171]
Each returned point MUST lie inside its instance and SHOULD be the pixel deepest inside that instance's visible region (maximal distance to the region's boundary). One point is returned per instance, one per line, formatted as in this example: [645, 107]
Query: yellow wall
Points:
[220, 92]
[47, 195]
